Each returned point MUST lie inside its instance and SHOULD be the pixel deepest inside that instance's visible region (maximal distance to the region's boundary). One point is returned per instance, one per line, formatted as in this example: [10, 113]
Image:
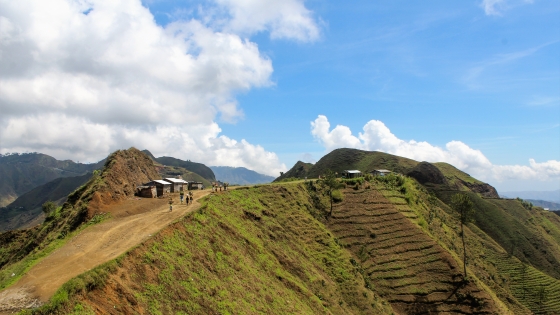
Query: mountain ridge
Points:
[240, 175]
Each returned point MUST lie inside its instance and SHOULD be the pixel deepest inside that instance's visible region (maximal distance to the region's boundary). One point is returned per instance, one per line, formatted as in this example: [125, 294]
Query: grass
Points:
[248, 251]
[509, 224]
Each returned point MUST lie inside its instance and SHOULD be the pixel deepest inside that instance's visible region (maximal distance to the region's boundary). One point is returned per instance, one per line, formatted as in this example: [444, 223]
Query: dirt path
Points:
[132, 222]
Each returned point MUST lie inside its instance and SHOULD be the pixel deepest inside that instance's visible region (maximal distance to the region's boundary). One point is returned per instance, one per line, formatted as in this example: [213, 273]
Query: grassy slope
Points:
[299, 170]
[534, 234]
[452, 174]
[365, 161]
[247, 251]
[194, 167]
[173, 171]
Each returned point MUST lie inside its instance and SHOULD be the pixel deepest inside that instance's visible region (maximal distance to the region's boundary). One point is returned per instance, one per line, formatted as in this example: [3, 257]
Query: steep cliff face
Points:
[485, 190]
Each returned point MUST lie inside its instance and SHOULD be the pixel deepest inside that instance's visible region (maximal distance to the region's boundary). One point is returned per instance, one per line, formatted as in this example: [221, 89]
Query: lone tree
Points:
[465, 207]
[330, 183]
[48, 207]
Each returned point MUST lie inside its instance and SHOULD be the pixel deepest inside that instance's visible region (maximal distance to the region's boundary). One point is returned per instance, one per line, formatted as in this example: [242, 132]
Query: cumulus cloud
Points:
[377, 137]
[288, 19]
[80, 78]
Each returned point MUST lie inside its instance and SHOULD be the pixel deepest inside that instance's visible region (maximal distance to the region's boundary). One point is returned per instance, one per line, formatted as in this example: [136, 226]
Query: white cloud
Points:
[497, 7]
[492, 7]
[81, 85]
[288, 19]
[377, 137]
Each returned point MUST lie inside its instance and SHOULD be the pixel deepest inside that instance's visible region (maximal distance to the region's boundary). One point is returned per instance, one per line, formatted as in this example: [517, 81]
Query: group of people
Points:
[189, 196]
[217, 187]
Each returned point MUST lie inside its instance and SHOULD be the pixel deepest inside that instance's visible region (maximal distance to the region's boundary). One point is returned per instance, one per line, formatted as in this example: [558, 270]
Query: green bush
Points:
[337, 196]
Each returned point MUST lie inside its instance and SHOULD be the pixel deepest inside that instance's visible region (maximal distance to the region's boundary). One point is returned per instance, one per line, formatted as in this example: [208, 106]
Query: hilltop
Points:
[439, 176]
[239, 175]
[19, 173]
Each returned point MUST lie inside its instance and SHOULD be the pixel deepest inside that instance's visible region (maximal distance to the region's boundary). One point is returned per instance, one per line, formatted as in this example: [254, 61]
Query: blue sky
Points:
[472, 83]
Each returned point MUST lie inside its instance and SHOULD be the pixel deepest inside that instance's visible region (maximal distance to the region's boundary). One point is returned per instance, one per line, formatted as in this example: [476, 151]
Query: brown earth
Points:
[132, 221]
[402, 263]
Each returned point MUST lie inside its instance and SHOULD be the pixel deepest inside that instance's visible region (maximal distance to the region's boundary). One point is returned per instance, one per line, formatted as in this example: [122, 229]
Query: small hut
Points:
[146, 191]
[380, 172]
[351, 173]
[195, 185]
[176, 184]
[162, 187]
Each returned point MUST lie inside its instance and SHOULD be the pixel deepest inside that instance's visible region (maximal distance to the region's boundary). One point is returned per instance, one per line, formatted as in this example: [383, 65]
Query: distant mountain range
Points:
[551, 196]
[545, 204]
[19, 173]
[26, 210]
[240, 175]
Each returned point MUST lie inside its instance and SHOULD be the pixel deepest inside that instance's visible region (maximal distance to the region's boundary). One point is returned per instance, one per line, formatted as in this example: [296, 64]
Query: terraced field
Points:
[400, 261]
[538, 291]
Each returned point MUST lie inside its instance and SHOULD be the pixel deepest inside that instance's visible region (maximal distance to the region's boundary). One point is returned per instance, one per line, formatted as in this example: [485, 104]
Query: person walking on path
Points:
[191, 198]
[187, 200]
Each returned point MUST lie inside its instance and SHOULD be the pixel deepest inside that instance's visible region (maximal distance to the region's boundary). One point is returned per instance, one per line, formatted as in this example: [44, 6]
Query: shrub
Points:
[48, 207]
[337, 196]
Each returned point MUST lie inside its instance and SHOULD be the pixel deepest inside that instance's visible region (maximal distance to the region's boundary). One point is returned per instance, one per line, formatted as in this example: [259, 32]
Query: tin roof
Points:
[383, 171]
[175, 180]
[352, 171]
[159, 181]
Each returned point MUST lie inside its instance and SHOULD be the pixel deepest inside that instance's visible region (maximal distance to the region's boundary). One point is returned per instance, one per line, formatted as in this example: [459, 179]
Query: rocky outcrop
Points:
[485, 190]
[426, 172]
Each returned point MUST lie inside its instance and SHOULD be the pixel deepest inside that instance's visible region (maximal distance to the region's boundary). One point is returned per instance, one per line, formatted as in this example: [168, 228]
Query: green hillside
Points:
[392, 245]
[189, 171]
[19, 173]
[439, 176]
[194, 167]
[531, 235]
[247, 251]
[26, 208]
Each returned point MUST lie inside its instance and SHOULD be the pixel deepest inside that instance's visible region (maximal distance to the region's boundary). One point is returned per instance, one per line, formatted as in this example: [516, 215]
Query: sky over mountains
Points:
[258, 83]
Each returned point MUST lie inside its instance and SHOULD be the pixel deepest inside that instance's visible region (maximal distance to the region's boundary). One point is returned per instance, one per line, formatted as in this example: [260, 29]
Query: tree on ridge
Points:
[464, 206]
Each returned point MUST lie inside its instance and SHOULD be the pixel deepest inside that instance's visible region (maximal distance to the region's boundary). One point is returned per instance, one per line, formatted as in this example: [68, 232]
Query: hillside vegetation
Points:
[247, 251]
[123, 171]
[439, 176]
[392, 245]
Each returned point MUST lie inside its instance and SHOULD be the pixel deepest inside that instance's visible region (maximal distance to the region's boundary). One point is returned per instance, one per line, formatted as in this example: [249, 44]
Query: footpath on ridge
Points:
[132, 222]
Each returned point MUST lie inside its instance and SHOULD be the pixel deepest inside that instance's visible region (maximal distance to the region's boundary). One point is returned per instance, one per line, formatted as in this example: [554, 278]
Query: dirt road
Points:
[132, 222]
